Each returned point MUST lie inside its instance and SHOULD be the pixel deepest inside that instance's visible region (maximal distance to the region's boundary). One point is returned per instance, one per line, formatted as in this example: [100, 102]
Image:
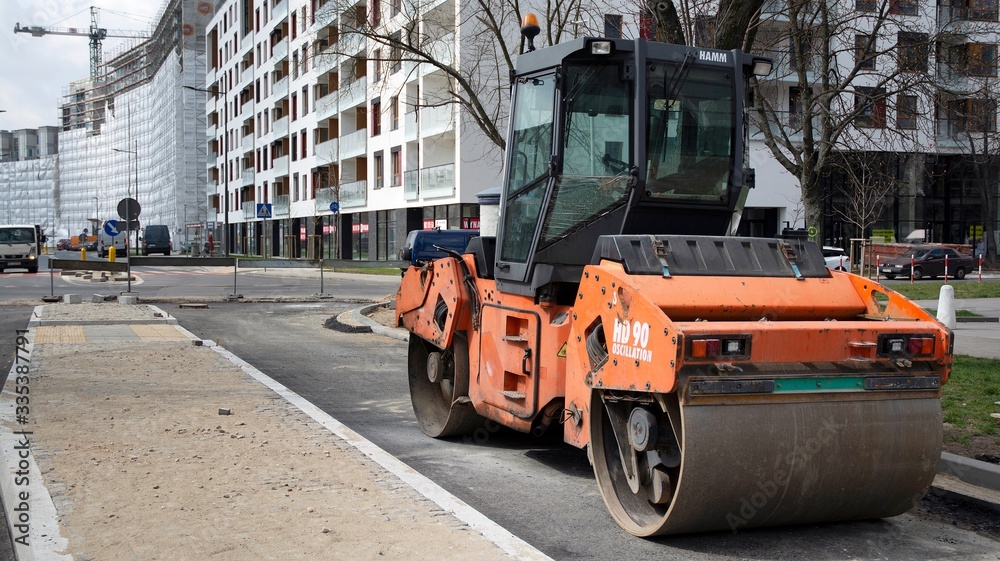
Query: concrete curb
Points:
[973, 472]
[358, 316]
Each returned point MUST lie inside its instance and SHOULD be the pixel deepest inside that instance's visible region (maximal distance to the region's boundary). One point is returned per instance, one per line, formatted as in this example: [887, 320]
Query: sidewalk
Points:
[140, 441]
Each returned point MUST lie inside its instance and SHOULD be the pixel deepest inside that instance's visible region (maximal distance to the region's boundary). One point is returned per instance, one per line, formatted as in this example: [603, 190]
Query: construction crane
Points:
[95, 33]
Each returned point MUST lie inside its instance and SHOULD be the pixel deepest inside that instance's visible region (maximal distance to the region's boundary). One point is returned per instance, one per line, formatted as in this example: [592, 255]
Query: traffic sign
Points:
[129, 209]
[264, 210]
[334, 206]
[111, 228]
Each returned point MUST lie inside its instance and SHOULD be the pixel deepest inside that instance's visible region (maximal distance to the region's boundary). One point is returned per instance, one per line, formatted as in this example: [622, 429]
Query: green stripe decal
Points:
[851, 383]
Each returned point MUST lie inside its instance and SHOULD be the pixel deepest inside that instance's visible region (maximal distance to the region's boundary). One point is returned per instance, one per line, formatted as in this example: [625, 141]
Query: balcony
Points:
[437, 120]
[282, 205]
[354, 194]
[443, 51]
[246, 179]
[279, 52]
[249, 210]
[788, 123]
[279, 11]
[280, 88]
[248, 143]
[354, 144]
[246, 77]
[351, 44]
[210, 131]
[280, 166]
[323, 60]
[355, 93]
[326, 13]
[438, 181]
[211, 159]
[411, 185]
[324, 197]
[411, 131]
[327, 151]
[279, 128]
[326, 106]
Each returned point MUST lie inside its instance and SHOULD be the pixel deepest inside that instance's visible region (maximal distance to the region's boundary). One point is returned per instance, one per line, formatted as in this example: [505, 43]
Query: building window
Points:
[396, 5]
[870, 106]
[379, 170]
[394, 111]
[305, 99]
[984, 10]
[982, 59]
[295, 107]
[864, 51]
[396, 53]
[377, 64]
[913, 51]
[397, 166]
[794, 107]
[376, 117]
[805, 58]
[904, 7]
[303, 138]
[295, 145]
[906, 112]
[972, 115]
[612, 26]
[376, 12]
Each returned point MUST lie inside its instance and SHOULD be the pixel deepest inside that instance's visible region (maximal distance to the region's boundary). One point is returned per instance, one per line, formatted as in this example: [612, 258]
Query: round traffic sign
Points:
[128, 208]
[111, 228]
[334, 206]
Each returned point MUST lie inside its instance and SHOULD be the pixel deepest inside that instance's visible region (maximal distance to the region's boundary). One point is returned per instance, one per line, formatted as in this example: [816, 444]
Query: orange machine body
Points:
[530, 365]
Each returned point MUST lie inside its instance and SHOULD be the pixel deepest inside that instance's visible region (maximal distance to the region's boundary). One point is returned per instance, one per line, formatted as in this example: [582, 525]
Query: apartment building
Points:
[919, 99]
[326, 140]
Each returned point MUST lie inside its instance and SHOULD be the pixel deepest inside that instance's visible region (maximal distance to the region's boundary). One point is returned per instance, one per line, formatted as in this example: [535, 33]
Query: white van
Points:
[20, 246]
[106, 242]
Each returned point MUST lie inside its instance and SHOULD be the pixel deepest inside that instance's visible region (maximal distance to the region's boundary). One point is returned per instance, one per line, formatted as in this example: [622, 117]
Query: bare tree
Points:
[865, 191]
[858, 79]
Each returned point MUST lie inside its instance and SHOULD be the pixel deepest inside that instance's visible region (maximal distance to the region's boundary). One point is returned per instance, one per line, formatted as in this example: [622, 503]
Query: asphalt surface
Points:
[540, 489]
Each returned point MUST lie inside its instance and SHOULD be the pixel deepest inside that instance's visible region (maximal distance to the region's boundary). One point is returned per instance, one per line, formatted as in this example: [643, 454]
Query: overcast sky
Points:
[36, 70]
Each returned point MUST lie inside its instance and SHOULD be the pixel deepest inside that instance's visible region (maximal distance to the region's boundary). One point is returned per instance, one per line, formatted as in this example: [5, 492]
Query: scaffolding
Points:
[135, 131]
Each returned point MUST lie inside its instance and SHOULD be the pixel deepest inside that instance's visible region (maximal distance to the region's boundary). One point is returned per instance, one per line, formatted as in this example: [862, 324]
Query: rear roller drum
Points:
[439, 388]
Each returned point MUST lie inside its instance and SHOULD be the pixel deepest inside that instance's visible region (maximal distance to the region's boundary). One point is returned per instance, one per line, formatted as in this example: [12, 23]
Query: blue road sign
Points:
[111, 228]
[334, 206]
[264, 210]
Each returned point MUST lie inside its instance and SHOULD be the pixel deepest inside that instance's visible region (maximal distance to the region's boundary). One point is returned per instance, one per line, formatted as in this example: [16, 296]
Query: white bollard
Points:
[946, 306]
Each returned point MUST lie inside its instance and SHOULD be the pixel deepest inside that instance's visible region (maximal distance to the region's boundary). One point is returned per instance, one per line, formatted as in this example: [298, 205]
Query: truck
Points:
[717, 382]
[20, 246]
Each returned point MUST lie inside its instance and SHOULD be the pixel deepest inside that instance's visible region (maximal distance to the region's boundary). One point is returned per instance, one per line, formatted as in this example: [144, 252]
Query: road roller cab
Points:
[697, 367]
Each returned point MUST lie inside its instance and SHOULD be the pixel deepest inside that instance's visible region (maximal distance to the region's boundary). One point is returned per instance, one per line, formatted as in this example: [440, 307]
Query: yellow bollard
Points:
[83, 253]
[111, 254]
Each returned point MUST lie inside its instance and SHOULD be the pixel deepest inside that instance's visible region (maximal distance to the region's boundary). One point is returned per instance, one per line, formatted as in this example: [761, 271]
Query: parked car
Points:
[928, 262]
[422, 245]
[62, 244]
[836, 258]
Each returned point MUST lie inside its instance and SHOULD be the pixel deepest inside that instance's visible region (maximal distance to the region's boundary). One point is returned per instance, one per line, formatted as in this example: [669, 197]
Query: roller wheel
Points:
[636, 461]
[439, 388]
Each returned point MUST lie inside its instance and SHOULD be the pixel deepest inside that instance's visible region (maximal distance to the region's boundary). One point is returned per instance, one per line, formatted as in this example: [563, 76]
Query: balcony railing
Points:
[246, 179]
[280, 166]
[354, 194]
[437, 120]
[249, 210]
[437, 181]
[246, 76]
[410, 129]
[326, 13]
[354, 144]
[279, 52]
[280, 88]
[282, 205]
[325, 196]
[280, 127]
[326, 106]
[411, 185]
[351, 43]
[248, 142]
[327, 152]
[279, 11]
[354, 93]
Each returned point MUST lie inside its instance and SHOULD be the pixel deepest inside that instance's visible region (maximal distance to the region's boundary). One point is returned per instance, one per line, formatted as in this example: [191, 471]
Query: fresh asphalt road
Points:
[540, 489]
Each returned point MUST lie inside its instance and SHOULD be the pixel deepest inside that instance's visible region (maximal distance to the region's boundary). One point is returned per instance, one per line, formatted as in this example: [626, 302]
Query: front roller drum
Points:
[439, 388]
[776, 462]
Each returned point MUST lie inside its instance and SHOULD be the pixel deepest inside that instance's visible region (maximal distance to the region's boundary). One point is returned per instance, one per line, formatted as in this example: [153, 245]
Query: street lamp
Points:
[225, 157]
